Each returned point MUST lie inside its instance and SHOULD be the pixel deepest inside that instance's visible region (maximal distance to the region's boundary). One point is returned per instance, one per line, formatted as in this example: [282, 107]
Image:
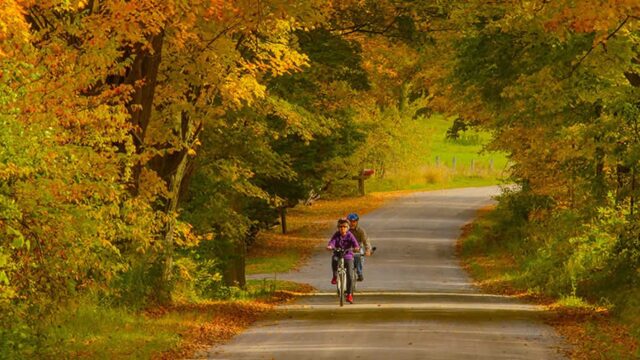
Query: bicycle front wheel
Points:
[342, 288]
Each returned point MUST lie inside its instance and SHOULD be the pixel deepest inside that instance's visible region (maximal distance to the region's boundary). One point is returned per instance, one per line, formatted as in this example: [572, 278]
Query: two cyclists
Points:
[343, 239]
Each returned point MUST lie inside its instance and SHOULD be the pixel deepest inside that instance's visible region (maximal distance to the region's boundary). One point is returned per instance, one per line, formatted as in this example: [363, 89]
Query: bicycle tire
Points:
[341, 289]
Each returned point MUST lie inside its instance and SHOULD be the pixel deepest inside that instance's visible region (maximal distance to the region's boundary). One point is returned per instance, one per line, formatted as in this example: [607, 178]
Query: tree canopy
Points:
[142, 138]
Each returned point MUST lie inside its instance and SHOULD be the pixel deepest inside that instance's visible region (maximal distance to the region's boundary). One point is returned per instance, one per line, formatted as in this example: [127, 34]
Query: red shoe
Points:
[350, 298]
[333, 280]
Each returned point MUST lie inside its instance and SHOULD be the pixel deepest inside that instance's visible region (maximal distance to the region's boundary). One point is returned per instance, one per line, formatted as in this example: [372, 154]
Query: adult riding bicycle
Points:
[363, 240]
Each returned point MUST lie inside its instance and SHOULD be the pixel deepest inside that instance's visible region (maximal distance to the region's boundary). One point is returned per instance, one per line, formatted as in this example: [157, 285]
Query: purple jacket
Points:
[344, 242]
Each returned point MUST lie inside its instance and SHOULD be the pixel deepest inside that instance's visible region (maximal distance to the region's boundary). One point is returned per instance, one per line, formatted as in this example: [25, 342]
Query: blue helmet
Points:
[353, 217]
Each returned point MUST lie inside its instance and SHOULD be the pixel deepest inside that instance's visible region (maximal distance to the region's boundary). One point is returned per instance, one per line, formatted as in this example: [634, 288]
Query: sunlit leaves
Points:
[14, 29]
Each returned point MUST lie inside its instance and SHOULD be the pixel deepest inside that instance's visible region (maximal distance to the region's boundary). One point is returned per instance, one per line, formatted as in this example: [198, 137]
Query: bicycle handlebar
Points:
[341, 252]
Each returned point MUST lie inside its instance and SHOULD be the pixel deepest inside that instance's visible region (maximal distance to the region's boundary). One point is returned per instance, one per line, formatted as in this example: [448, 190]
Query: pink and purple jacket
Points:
[344, 242]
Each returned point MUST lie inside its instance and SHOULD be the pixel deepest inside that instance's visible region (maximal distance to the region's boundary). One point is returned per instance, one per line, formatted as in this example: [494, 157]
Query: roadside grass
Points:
[307, 226]
[281, 262]
[88, 332]
[436, 169]
[273, 288]
[164, 333]
[592, 331]
[98, 332]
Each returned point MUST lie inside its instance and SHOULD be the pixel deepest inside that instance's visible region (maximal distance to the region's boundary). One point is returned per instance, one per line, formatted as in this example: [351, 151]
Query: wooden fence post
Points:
[283, 219]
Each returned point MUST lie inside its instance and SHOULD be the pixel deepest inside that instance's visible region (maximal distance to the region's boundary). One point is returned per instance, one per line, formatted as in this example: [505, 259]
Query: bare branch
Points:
[601, 42]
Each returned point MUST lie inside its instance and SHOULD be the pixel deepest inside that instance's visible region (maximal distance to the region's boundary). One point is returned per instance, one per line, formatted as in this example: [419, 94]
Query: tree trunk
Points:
[175, 170]
[234, 274]
[283, 219]
[633, 190]
[171, 208]
[144, 69]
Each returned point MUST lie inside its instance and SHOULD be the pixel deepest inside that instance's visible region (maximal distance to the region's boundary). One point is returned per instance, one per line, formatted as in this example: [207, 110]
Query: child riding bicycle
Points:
[343, 239]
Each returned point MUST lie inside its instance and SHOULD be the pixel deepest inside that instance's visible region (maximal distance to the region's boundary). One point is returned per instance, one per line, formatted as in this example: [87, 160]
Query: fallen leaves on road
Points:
[592, 334]
[208, 323]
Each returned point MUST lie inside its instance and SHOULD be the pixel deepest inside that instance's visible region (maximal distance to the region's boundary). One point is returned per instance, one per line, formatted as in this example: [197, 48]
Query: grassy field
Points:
[445, 163]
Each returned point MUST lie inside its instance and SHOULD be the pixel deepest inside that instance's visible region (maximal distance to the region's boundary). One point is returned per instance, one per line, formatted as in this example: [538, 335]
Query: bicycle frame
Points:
[341, 277]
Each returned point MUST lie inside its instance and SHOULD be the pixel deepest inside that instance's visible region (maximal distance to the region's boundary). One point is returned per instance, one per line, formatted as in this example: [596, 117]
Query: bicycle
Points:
[341, 276]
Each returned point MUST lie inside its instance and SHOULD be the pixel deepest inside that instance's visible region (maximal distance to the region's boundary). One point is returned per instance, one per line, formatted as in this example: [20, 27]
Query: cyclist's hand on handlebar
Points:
[329, 248]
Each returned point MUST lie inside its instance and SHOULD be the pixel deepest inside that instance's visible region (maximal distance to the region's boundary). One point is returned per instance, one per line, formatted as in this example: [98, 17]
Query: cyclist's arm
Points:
[332, 243]
[365, 242]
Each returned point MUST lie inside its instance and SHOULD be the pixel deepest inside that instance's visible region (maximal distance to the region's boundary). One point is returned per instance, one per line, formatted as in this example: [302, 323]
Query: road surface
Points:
[416, 301]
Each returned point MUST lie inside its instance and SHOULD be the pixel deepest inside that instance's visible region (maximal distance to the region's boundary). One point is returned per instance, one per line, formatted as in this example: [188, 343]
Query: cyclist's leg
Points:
[349, 265]
[357, 258]
[334, 264]
[334, 268]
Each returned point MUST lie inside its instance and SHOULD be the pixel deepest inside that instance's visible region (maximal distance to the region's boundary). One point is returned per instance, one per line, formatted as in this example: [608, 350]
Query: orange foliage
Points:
[14, 29]
[592, 16]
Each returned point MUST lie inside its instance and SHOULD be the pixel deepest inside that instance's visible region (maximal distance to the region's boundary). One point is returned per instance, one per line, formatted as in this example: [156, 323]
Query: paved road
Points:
[415, 303]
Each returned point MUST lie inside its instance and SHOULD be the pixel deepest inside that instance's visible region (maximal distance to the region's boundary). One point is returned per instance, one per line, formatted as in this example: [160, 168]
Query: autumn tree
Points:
[112, 97]
[557, 84]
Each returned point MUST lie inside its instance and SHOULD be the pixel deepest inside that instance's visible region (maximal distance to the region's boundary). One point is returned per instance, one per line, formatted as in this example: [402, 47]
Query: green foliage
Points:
[559, 92]
[423, 159]
[556, 255]
[333, 58]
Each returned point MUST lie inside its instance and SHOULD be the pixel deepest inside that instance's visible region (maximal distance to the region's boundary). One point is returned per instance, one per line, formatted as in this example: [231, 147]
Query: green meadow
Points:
[443, 163]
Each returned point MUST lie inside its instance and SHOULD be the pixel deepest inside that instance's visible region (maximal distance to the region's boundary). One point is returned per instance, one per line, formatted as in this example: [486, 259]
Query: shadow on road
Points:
[399, 325]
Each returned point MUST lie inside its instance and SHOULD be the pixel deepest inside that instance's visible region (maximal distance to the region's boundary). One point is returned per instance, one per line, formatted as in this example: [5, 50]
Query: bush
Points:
[436, 175]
